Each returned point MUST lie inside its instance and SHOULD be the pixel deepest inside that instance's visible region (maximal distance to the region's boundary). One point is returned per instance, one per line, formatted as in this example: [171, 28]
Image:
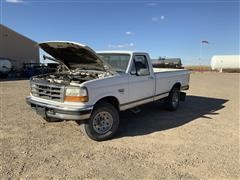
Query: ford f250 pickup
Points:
[93, 87]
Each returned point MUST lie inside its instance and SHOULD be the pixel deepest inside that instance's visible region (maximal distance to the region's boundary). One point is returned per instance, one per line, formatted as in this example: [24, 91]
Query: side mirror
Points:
[133, 72]
[143, 72]
[133, 69]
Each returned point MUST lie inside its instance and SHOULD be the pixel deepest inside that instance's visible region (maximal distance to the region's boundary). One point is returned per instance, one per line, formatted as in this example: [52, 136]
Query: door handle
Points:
[121, 90]
[150, 77]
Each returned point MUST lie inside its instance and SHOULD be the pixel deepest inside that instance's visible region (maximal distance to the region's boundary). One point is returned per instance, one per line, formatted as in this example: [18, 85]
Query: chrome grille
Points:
[48, 91]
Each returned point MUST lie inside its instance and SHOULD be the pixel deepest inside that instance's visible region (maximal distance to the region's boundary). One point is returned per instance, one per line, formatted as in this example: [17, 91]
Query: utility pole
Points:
[201, 51]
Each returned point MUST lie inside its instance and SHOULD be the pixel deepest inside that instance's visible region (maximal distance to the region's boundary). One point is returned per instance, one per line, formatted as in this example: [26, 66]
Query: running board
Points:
[135, 110]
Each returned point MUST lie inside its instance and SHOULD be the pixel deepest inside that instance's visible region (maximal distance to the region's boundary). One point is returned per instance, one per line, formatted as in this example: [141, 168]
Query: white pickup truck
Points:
[95, 87]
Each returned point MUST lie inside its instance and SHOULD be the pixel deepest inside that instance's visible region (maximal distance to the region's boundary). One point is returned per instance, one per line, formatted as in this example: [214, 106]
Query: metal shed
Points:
[17, 48]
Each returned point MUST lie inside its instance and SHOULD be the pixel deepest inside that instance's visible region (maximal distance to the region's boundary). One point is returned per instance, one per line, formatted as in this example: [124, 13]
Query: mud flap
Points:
[182, 96]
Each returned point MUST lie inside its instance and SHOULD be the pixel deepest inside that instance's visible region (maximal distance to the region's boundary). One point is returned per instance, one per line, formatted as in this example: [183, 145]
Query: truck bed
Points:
[166, 78]
[157, 70]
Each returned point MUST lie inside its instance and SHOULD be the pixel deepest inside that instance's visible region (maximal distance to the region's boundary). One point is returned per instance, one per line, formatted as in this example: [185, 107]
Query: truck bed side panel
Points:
[166, 78]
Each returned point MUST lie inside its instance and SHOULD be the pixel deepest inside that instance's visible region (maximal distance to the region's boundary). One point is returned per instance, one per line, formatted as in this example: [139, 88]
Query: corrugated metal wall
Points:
[17, 48]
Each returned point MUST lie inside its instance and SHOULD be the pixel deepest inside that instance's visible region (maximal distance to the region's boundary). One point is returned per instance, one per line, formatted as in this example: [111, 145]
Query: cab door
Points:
[141, 80]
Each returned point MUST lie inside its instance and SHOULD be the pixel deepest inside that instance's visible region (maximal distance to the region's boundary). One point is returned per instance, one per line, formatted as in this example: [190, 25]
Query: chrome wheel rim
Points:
[102, 122]
[175, 99]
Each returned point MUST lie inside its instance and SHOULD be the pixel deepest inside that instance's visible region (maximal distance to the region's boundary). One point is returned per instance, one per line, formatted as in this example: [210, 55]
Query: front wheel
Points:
[172, 101]
[103, 123]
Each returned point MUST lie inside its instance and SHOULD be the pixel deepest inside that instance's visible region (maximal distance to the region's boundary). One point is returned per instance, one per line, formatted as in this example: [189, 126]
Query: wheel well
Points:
[111, 100]
[177, 85]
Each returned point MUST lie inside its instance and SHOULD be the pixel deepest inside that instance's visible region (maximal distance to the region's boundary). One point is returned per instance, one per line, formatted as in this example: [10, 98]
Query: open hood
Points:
[74, 55]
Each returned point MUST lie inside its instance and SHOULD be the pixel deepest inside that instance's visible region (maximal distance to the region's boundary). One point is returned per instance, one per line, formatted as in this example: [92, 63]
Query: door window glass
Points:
[140, 66]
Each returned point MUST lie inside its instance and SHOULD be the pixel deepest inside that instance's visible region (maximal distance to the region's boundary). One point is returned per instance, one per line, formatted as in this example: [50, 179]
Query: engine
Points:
[67, 78]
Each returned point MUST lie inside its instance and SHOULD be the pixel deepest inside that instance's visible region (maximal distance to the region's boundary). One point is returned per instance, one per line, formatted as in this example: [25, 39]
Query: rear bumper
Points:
[59, 112]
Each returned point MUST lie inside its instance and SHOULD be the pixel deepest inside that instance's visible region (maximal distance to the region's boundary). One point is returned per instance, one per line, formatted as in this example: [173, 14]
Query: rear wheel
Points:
[103, 123]
[172, 101]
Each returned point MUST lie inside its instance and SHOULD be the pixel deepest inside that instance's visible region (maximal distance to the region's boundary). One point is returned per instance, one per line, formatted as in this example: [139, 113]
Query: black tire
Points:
[103, 118]
[172, 101]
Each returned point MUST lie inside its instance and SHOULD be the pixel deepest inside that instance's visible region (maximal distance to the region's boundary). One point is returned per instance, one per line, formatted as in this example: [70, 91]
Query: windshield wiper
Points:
[118, 70]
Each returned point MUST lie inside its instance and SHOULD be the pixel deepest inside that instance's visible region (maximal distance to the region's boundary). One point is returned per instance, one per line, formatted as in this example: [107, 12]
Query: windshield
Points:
[118, 62]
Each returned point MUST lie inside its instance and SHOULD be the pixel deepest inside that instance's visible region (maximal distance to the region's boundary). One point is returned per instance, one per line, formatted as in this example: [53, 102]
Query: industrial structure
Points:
[17, 48]
[226, 62]
[167, 62]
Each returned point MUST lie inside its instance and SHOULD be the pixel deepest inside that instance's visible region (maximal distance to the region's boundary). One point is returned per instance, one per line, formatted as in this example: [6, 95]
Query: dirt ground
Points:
[198, 141]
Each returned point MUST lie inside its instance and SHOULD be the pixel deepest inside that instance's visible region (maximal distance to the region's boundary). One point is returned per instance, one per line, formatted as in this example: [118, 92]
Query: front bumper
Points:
[58, 111]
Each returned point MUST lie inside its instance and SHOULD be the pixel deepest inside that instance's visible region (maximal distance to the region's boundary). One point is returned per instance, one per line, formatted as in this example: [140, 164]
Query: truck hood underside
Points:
[74, 55]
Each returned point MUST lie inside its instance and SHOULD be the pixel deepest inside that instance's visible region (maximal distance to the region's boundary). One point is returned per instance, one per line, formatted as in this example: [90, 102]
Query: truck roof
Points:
[120, 52]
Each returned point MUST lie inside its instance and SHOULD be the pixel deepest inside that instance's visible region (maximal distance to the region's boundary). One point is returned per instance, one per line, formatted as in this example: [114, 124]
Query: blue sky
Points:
[163, 28]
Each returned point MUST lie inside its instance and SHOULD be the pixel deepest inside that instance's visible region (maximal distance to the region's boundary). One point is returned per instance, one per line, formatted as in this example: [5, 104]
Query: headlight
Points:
[76, 94]
[33, 89]
[33, 85]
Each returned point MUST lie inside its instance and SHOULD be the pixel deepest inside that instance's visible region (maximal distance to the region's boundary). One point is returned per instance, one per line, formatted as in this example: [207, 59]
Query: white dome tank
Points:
[225, 62]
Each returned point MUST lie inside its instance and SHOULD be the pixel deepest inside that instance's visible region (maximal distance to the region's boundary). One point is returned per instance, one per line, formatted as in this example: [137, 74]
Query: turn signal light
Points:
[76, 98]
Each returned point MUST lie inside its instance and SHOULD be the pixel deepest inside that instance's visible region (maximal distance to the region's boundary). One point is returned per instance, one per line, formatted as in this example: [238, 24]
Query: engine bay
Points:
[68, 78]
